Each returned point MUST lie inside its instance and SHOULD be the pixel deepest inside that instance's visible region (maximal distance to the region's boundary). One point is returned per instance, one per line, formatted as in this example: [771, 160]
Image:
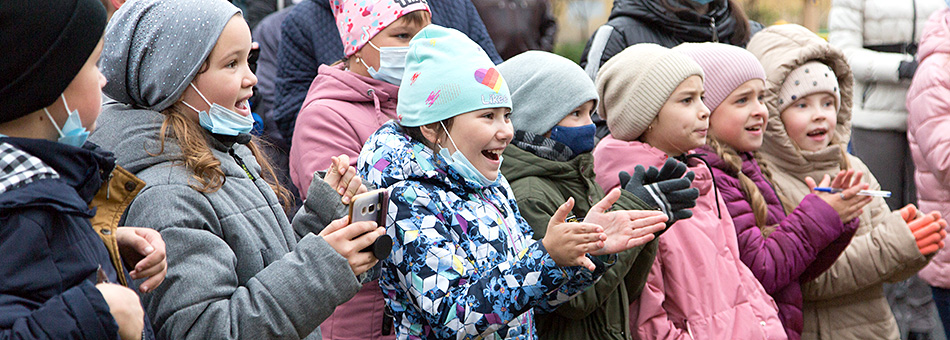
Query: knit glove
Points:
[929, 232]
[665, 189]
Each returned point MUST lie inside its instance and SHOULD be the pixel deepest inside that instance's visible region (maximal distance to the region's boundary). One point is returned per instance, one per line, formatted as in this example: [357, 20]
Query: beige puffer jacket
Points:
[847, 301]
[857, 26]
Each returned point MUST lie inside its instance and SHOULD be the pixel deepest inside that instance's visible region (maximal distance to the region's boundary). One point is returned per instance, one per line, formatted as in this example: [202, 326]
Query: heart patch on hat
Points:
[489, 77]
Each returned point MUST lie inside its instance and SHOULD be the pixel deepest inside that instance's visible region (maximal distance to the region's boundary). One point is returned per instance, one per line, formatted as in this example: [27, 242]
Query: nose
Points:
[102, 79]
[250, 79]
[506, 132]
[760, 111]
[704, 112]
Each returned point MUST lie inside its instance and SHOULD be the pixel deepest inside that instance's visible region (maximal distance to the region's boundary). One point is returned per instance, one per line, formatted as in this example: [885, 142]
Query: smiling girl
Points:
[809, 99]
[179, 71]
[698, 288]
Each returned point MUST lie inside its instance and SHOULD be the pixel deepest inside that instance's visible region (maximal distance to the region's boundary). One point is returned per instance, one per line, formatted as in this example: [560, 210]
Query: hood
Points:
[935, 36]
[133, 135]
[390, 156]
[686, 25]
[519, 164]
[333, 83]
[781, 49]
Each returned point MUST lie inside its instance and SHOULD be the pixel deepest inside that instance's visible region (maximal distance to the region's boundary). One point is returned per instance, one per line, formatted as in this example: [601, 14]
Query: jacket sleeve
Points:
[202, 297]
[885, 253]
[320, 133]
[477, 31]
[322, 207]
[465, 298]
[548, 27]
[648, 316]
[827, 257]
[846, 31]
[930, 110]
[78, 312]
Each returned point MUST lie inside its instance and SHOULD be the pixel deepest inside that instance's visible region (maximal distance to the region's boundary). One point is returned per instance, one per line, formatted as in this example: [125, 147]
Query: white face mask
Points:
[221, 120]
[392, 64]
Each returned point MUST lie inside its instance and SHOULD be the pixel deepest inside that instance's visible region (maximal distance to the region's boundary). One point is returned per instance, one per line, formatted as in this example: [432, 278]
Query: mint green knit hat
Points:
[447, 74]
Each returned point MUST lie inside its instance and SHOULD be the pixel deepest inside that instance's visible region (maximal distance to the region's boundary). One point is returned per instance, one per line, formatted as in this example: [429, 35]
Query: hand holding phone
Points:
[372, 206]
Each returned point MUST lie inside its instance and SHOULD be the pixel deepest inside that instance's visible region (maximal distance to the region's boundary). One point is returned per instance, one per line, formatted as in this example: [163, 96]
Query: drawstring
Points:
[372, 92]
[685, 158]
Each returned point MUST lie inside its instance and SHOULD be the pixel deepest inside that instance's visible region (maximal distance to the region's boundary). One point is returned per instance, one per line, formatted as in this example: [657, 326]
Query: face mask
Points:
[221, 120]
[702, 2]
[392, 64]
[72, 133]
[579, 138]
[465, 168]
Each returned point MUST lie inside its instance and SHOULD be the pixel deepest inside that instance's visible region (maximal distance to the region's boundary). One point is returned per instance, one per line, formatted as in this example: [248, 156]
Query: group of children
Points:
[697, 218]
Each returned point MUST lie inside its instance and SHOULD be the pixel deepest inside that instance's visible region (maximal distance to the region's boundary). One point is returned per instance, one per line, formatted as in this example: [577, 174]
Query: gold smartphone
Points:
[372, 206]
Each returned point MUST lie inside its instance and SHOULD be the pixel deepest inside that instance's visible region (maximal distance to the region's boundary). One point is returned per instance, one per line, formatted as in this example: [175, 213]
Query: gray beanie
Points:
[154, 48]
[635, 83]
[545, 88]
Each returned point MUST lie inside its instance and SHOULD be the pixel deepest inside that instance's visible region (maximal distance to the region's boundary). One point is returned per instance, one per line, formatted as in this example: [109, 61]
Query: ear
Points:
[432, 133]
[117, 3]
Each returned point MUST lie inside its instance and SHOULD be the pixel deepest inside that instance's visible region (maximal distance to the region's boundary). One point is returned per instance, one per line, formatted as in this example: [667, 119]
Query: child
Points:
[464, 265]
[56, 274]
[779, 249]
[548, 162]
[346, 103]
[809, 101]
[236, 268]
[927, 127]
[698, 288]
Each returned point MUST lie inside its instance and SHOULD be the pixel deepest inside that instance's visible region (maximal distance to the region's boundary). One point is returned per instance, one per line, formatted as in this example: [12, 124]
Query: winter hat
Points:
[44, 44]
[154, 48]
[545, 88]
[635, 83]
[811, 77]
[726, 66]
[360, 20]
[447, 74]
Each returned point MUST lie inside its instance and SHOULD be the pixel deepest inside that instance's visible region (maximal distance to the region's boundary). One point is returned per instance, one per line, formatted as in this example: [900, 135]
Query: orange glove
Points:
[910, 213]
[929, 231]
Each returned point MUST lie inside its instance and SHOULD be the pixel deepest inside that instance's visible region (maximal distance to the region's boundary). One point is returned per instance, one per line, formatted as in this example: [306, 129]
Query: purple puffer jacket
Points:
[803, 245]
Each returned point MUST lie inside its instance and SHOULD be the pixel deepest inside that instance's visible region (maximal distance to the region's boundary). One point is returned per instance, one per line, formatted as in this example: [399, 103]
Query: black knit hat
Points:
[43, 45]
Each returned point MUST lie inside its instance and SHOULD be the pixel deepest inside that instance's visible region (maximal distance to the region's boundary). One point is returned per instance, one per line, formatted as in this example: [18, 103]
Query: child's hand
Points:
[125, 309]
[625, 229]
[342, 177]
[568, 243]
[349, 239]
[910, 213]
[144, 250]
[847, 203]
[929, 231]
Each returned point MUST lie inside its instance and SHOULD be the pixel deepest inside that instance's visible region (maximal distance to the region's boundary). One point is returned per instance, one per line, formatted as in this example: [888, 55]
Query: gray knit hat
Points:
[545, 88]
[635, 83]
[154, 48]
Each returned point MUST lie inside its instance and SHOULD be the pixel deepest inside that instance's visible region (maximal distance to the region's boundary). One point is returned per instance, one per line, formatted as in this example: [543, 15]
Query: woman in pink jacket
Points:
[928, 121]
[346, 103]
[698, 287]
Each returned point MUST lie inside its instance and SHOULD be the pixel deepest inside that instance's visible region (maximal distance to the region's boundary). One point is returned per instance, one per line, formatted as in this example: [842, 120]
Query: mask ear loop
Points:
[48, 115]
[450, 137]
[199, 94]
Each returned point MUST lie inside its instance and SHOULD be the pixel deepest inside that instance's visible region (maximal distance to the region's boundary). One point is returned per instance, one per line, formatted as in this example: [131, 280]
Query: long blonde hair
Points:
[760, 208]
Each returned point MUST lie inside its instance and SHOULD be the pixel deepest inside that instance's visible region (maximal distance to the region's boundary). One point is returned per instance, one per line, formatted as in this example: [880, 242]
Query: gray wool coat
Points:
[236, 267]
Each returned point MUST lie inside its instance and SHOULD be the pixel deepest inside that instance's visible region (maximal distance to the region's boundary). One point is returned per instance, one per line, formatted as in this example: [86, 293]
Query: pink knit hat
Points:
[727, 67]
[360, 20]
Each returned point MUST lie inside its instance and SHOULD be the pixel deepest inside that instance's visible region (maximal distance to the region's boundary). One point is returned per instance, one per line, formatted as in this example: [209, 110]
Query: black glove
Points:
[665, 189]
[906, 69]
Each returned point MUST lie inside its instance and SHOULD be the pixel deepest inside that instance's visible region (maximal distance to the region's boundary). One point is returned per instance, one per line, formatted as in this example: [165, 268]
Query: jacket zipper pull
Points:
[109, 184]
[715, 32]
[241, 163]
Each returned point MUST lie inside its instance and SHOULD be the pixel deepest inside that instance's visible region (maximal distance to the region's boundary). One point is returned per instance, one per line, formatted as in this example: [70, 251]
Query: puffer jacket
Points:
[236, 269]
[463, 264]
[51, 251]
[846, 301]
[698, 287]
[341, 111]
[541, 185]
[803, 244]
[875, 36]
[928, 104]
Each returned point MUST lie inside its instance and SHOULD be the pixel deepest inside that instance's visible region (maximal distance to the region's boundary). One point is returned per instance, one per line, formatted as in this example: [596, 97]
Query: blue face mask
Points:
[579, 138]
[702, 2]
[392, 64]
[72, 133]
[465, 168]
[220, 120]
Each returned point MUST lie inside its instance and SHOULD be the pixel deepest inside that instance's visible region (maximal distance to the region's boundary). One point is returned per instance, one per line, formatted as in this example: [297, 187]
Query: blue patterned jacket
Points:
[464, 265]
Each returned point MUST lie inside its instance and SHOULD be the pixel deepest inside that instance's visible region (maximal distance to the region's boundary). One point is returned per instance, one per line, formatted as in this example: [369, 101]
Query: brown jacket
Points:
[847, 301]
[111, 202]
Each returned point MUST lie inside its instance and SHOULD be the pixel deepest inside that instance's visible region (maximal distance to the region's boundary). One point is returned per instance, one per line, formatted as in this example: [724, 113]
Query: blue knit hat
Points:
[447, 74]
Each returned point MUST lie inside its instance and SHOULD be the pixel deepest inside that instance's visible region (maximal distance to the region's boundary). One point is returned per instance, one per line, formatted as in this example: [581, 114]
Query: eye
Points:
[488, 115]
[687, 100]
[404, 36]
[742, 100]
[576, 114]
[507, 115]
[232, 64]
[801, 105]
[761, 97]
[829, 103]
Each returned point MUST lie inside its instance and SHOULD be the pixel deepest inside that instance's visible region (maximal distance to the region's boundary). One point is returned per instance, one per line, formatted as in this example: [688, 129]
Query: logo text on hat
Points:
[495, 98]
[406, 3]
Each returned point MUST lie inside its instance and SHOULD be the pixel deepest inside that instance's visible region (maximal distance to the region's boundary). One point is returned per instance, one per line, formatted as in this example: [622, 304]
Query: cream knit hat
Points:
[634, 84]
[812, 77]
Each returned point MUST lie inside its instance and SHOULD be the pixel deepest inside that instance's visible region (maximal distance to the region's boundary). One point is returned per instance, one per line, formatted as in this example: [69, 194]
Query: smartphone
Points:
[372, 206]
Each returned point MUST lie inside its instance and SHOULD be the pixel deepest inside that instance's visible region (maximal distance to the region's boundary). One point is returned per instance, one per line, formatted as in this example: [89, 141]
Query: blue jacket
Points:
[49, 249]
[309, 37]
[463, 263]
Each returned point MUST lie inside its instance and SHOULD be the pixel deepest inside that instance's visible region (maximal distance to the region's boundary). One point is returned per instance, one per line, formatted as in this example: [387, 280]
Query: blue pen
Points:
[876, 193]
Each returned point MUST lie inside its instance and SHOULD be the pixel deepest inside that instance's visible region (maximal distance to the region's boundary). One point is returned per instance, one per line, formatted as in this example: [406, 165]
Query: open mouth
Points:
[242, 107]
[493, 154]
[818, 133]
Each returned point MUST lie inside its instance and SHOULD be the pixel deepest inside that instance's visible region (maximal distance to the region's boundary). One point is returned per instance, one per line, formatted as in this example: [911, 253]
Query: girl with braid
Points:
[781, 250]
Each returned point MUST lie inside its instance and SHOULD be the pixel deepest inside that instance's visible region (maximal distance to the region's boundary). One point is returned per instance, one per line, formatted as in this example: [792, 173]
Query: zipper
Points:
[715, 32]
[109, 184]
[241, 163]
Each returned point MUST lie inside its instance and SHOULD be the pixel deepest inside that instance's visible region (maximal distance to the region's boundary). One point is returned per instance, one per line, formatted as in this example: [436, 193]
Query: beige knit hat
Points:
[812, 77]
[635, 83]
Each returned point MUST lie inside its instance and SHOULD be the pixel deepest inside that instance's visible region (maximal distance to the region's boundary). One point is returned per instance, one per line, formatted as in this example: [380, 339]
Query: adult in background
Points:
[879, 39]
[666, 23]
[517, 26]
